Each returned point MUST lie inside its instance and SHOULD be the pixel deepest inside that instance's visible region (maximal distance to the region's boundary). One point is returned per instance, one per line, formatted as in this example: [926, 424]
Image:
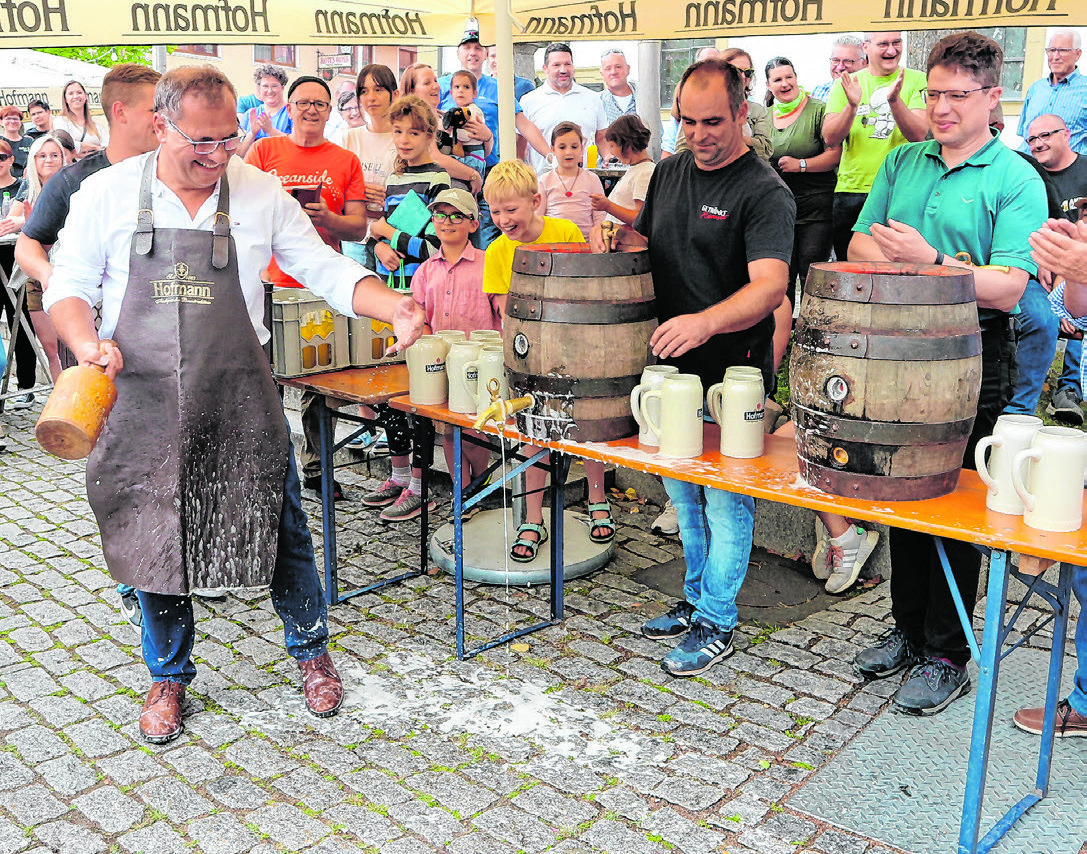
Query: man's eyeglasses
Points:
[848, 63]
[956, 96]
[612, 50]
[352, 107]
[1058, 51]
[306, 103]
[231, 143]
[749, 73]
[454, 218]
[1044, 135]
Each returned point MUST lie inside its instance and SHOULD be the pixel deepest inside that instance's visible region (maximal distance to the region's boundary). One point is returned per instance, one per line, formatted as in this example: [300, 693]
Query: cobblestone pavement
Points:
[579, 743]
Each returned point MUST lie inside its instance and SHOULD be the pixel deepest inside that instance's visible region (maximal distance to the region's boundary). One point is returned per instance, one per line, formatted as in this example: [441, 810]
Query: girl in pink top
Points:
[567, 190]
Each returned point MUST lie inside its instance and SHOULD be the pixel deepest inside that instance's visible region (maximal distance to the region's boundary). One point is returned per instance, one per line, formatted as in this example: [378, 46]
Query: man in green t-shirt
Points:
[869, 113]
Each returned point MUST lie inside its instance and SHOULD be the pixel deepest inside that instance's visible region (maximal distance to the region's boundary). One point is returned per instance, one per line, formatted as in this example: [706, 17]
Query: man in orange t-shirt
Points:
[305, 158]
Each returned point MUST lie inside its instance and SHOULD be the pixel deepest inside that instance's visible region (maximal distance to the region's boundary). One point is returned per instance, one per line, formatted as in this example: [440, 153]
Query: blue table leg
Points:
[560, 469]
[988, 670]
[328, 502]
[458, 538]
[1056, 666]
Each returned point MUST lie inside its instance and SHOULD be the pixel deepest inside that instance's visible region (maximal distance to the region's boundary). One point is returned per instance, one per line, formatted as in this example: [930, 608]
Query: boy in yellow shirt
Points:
[511, 193]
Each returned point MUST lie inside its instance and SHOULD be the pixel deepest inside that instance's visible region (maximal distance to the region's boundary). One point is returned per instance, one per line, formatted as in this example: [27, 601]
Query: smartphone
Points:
[306, 195]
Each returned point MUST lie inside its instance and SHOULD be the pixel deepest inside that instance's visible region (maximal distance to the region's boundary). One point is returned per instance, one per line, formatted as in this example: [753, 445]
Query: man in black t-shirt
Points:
[718, 224]
[1050, 145]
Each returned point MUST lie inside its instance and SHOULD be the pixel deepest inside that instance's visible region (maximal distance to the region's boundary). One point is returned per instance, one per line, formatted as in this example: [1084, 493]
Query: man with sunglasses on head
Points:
[193, 480]
[961, 192]
[846, 54]
[870, 112]
[306, 159]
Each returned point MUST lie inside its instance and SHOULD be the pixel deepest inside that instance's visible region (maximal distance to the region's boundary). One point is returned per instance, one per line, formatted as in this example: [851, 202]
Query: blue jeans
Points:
[716, 527]
[168, 627]
[1036, 328]
[487, 232]
[1069, 378]
[1078, 697]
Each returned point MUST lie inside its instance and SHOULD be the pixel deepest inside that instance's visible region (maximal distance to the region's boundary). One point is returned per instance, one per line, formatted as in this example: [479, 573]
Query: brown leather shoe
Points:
[1068, 721]
[321, 686]
[160, 720]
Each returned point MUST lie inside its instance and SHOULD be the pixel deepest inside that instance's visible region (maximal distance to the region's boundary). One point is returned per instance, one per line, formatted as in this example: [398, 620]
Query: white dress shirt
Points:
[92, 254]
[546, 107]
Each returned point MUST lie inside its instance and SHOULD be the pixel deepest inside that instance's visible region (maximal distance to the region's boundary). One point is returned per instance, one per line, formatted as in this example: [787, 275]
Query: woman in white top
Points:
[629, 139]
[75, 117]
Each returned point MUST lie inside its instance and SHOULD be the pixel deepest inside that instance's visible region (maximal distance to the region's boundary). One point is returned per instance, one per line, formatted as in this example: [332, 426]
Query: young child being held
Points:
[466, 148]
[414, 127]
[449, 287]
[567, 190]
[511, 192]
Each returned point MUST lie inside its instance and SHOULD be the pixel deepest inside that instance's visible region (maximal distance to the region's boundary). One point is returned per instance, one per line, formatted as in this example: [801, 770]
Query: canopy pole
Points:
[507, 132]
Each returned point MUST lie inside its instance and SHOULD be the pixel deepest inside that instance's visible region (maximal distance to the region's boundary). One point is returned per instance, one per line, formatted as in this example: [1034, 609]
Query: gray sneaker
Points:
[846, 564]
[407, 506]
[385, 494]
[1066, 407]
[820, 558]
[23, 401]
[667, 522]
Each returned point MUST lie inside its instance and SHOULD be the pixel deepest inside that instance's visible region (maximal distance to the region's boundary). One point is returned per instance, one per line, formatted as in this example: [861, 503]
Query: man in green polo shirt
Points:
[962, 191]
[869, 113]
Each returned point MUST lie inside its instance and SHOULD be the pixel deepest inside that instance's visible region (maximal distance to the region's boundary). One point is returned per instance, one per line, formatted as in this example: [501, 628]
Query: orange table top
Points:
[775, 476]
[372, 385]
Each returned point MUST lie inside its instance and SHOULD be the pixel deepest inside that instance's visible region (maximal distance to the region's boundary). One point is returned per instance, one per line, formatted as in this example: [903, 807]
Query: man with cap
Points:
[193, 480]
[305, 159]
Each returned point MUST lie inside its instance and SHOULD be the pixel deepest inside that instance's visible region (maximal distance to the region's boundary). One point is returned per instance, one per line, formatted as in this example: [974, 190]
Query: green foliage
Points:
[107, 55]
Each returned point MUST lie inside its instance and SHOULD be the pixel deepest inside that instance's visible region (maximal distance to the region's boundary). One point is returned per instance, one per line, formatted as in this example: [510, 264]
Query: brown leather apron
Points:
[187, 479]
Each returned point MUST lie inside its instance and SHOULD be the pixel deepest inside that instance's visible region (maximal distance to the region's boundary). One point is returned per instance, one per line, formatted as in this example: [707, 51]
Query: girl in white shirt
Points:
[567, 190]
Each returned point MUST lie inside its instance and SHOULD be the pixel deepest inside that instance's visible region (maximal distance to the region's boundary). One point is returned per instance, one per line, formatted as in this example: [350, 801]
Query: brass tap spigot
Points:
[499, 410]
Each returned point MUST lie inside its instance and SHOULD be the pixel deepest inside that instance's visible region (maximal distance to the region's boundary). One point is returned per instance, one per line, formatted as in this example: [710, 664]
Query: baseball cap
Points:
[471, 34]
[462, 200]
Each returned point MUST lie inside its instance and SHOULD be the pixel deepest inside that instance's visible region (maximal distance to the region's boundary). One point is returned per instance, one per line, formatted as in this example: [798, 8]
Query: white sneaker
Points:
[667, 522]
[820, 558]
[848, 554]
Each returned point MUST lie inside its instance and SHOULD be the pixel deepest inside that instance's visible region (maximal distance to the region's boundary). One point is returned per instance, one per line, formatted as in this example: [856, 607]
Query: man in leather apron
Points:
[193, 481]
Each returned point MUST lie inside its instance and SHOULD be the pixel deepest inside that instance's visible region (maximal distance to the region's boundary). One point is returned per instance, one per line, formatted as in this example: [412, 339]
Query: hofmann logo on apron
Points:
[181, 287]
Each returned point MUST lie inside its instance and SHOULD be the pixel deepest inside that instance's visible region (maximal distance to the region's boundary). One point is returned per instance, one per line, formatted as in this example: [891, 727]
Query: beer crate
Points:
[308, 337]
[369, 341]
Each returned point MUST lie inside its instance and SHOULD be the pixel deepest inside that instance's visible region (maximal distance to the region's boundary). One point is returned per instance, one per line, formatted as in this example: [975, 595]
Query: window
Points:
[211, 50]
[407, 56]
[278, 54]
[364, 55]
[676, 56]
[1014, 42]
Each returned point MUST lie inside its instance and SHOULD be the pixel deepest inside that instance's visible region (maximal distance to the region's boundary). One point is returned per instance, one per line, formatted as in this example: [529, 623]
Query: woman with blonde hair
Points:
[75, 117]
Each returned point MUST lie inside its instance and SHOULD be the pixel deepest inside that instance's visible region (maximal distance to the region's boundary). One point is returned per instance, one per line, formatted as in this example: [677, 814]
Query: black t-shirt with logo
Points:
[703, 229]
[51, 209]
[1071, 184]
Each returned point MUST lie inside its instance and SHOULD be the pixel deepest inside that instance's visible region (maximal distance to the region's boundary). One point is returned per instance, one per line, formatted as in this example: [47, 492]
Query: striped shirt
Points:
[1067, 99]
[1056, 300]
[820, 92]
[427, 180]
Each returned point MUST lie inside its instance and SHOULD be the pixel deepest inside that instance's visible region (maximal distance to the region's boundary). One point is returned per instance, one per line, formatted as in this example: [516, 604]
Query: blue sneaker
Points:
[704, 646]
[671, 624]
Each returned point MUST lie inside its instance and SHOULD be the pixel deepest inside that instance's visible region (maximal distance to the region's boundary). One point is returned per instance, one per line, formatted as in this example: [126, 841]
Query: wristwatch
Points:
[803, 165]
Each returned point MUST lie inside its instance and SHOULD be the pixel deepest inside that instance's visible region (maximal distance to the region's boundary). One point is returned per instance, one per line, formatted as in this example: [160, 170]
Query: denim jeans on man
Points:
[1036, 328]
[716, 527]
[1078, 698]
[1069, 379]
[168, 627]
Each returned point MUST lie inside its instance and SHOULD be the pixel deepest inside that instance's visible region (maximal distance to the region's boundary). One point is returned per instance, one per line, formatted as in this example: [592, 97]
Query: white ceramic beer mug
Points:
[462, 394]
[680, 424]
[738, 405]
[1011, 434]
[451, 336]
[652, 375]
[1052, 491]
[426, 371]
[486, 336]
[491, 365]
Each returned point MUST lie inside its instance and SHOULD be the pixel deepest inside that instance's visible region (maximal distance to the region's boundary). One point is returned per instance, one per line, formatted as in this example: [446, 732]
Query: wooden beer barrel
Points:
[885, 375]
[576, 337]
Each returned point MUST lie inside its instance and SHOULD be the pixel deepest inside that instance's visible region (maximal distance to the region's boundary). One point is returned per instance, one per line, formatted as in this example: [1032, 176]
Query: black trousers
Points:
[921, 603]
[847, 209]
[26, 361]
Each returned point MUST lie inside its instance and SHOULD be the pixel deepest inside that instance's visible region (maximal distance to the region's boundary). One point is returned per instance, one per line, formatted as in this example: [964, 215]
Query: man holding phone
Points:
[327, 181]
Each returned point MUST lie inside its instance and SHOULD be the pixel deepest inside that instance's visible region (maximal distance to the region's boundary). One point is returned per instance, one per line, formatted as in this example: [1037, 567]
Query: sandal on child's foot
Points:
[604, 522]
[533, 546]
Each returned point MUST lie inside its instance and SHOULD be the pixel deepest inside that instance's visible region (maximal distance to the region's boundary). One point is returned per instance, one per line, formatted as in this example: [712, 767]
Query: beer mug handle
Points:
[652, 394]
[979, 459]
[635, 405]
[714, 399]
[1018, 466]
